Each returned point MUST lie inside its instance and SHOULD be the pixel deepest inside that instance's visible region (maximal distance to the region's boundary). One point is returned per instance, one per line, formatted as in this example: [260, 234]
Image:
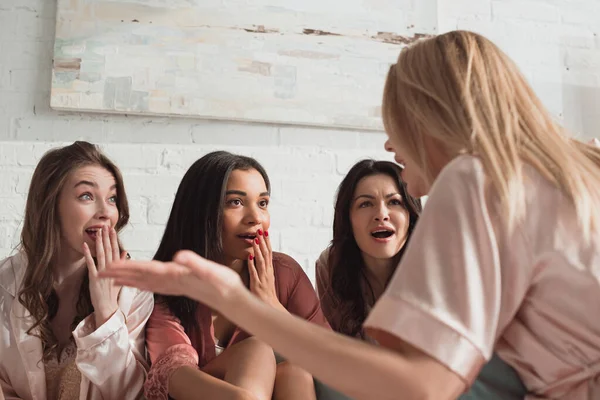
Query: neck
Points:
[236, 265]
[378, 271]
[68, 270]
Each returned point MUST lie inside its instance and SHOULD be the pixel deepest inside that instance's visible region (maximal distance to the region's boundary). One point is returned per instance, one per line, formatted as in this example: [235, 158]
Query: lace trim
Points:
[157, 384]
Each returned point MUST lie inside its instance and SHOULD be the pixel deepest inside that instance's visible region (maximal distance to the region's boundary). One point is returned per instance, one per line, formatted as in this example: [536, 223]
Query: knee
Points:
[288, 371]
[259, 350]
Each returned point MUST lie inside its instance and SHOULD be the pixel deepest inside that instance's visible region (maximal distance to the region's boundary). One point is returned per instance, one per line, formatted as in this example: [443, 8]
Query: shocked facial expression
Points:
[245, 212]
[87, 202]
[379, 218]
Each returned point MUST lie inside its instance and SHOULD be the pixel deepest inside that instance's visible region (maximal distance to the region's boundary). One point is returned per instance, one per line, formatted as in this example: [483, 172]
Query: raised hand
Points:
[104, 293]
[262, 274]
[188, 275]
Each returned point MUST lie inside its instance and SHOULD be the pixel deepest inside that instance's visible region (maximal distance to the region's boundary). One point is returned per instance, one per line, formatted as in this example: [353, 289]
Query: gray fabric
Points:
[496, 381]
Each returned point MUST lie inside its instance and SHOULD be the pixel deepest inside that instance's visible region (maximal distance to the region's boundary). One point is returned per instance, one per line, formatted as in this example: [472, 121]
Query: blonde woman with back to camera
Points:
[505, 258]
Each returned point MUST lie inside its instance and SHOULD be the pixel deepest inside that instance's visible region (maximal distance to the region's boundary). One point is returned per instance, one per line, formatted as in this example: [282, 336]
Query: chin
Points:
[380, 254]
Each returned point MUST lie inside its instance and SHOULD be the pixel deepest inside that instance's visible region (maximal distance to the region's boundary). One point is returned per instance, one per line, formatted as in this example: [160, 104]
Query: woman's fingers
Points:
[108, 256]
[254, 278]
[207, 270]
[114, 244]
[262, 244]
[100, 256]
[147, 275]
[259, 260]
[89, 260]
[268, 252]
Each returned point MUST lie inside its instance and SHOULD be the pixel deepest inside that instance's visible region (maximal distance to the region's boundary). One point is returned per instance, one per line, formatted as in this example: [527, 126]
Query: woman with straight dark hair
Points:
[373, 220]
[221, 212]
[65, 333]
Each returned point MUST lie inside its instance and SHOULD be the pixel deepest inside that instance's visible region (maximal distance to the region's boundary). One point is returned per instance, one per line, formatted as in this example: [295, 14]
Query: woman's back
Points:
[527, 295]
[553, 340]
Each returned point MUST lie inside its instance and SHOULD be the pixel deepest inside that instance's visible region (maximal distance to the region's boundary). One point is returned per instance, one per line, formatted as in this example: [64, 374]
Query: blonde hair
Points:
[462, 91]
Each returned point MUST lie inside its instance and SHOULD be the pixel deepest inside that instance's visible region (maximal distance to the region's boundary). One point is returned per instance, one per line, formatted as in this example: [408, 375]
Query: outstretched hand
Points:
[187, 275]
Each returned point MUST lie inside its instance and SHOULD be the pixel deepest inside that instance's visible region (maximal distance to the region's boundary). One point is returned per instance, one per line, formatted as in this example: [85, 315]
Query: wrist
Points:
[279, 306]
[103, 314]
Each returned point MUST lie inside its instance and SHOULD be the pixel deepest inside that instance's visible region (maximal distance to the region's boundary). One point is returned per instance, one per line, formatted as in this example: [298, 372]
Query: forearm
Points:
[185, 383]
[330, 357]
[107, 357]
[126, 383]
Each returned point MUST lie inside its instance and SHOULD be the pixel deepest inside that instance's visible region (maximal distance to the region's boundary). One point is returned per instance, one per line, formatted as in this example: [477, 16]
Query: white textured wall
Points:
[554, 41]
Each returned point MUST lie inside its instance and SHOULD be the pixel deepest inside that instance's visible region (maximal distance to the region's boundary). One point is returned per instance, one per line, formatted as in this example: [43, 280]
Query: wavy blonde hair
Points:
[461, 91]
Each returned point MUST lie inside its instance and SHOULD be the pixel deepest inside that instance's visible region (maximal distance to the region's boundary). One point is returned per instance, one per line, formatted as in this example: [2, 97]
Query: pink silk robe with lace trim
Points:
[170, 347]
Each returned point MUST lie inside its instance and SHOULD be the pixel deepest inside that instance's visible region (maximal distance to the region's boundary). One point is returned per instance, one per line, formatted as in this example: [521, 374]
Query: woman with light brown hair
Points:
[64, 332]
[505, 257]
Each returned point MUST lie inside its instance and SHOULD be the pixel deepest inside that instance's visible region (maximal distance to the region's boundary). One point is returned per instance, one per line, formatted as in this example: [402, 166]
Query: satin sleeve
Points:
[445, 297]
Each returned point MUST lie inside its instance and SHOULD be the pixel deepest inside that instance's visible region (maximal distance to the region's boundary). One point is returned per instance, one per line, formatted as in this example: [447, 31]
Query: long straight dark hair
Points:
[347, 267]
[196, 220]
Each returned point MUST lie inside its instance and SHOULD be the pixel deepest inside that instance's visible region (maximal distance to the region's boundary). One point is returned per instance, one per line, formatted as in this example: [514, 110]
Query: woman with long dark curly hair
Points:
[374, 217]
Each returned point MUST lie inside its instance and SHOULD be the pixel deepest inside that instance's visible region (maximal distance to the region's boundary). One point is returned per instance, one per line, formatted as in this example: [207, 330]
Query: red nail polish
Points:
[256, 240]
[251, 257]
[260, 232]
[266, 233]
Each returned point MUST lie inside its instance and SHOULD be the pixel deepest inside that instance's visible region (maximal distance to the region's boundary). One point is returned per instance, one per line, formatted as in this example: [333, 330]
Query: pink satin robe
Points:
[466, 288]
[111, 359]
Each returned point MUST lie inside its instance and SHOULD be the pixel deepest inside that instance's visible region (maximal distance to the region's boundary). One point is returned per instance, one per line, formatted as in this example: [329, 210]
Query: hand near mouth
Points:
[103, 292]
[260, 268]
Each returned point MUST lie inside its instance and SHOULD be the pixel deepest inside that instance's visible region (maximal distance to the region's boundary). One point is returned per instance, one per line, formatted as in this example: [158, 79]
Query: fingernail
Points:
[256, 240]
[266, 233]
[260, 232]
[251, 257]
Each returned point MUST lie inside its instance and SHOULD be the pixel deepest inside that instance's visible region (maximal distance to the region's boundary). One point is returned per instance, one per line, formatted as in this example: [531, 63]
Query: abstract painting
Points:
[308, 62]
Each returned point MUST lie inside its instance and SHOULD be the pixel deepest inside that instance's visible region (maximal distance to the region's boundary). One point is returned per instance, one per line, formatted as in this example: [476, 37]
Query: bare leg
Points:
[244, 371]
[293, 383]
[249, 365]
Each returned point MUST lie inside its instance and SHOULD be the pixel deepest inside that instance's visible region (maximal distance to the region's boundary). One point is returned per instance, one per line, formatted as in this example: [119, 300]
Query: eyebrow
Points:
[369, 196]
[244, 194]
[92, 184]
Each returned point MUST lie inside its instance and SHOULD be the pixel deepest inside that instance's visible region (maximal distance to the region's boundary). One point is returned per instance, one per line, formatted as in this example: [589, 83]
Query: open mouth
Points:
[248, 237]
[93, 232]
[382, 233]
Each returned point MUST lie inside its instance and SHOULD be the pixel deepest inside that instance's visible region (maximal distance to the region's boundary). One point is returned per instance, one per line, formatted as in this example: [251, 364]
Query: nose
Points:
[253, 216]
[388, 146]
[102, 211]
[382, 213]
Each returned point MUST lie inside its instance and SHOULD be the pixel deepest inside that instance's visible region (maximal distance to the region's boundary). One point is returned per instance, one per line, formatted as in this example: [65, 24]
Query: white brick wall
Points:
[305, 164]
[555, 42]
